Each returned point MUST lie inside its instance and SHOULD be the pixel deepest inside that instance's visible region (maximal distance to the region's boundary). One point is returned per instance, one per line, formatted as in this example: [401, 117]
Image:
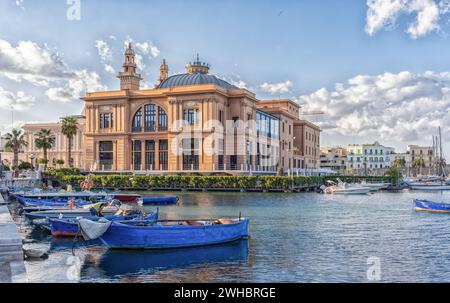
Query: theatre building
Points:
[193, 121]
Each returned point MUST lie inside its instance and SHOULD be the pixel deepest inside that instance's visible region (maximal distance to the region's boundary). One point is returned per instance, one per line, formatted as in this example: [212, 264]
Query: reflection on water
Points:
[125, 262]
[297, 237]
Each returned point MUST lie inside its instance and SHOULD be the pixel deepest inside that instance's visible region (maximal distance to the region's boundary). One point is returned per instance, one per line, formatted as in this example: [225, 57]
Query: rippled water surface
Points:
[295, 237]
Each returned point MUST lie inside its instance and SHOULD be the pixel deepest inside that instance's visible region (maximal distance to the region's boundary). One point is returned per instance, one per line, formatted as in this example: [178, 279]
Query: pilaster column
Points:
[143, 162]
[156, 164]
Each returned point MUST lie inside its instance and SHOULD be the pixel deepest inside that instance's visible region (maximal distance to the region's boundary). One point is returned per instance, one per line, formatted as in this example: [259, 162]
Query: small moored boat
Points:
[171, 233]
[159, 200]
[70, 226]
[342, 188]
[426, 205]
[67, 213]
[430, 186]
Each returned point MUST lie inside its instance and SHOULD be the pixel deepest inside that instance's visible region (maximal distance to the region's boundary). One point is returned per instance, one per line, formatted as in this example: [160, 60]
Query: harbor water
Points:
[295, 237]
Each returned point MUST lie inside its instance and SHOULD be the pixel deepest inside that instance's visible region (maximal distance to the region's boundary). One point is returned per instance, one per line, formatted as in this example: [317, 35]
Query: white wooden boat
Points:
[345, 189]
[432, 186]
[357, 190]
[375, 186]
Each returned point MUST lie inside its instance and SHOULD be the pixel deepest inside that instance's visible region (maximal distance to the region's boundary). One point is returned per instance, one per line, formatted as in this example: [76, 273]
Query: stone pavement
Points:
[12, 266]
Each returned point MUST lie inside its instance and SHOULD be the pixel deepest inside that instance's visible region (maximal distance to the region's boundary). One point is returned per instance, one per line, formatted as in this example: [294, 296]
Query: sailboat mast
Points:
[441, 162]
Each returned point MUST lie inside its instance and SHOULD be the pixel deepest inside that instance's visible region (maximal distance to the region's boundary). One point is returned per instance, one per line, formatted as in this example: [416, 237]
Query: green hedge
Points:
[175, 181]
[229, 182]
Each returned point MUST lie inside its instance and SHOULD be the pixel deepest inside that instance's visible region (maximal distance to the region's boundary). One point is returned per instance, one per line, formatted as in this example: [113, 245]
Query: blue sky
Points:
[373, 67]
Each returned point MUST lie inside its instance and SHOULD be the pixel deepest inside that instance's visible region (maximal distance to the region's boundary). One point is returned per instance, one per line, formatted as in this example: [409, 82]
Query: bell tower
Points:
[163, 71]
[129, 78]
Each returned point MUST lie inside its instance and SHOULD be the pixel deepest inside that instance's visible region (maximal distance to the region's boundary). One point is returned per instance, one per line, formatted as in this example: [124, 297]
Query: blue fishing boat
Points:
[58, 213]
[79, 196]
[70, 227]
[426, 205]
[174, 233]
[32, 202]
[161, 200]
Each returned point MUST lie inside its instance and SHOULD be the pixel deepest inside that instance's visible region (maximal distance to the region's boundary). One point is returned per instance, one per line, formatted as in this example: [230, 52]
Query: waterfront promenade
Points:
[12, 266]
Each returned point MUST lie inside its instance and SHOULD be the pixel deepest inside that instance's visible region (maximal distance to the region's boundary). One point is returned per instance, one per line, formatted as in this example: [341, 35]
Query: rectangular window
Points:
[190, 154]
[233, 162]
[221, 116]
[106, 155]
[190, 116]
[106, 120]
[162, 120]
[163, 154]
[137, 121]
[249, 153]
[220, 157]
[150, 117]
[137, 154]
[150, 155]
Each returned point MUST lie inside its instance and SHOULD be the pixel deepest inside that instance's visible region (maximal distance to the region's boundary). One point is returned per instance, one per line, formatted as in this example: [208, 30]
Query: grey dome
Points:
[194, 79]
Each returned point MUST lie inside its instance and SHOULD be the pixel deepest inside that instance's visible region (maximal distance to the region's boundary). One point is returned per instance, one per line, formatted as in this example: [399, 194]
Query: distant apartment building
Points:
[402, 159]
[299, 139]
[426, 154]
[333, 158]
[59, 149]
[368, 158]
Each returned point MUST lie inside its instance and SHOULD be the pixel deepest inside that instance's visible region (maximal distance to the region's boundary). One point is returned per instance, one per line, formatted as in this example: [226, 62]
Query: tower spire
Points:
[129, 78]
[163, 72]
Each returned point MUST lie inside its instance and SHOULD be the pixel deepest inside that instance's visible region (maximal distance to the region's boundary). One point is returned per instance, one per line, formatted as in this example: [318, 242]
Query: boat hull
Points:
[32, 202]
[352, 191]
[430, 187]
[163, 200]
[66, 213]
[83, 196]
[70, 227]
[429, 206]
[122, 236]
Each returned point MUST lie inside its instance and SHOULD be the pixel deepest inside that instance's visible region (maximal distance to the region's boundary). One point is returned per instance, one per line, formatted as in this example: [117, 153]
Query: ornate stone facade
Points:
[191, 122]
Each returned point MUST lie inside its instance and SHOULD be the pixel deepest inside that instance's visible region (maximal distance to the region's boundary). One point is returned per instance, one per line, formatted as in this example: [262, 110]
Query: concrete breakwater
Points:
[12, 266]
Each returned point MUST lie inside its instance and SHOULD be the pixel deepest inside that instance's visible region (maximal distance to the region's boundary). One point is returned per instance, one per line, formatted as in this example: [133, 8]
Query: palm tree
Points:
[44, 139]
[419, 163]
[69, 129]
[15, 141]
[60, 162]
[400, 162]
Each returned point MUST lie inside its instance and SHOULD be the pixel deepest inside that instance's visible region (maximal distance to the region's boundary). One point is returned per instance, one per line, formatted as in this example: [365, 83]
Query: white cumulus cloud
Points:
[392, 106]
[105, 53]
[384, 13]
[44, 67]
[76, 87]
[28, 58]
[18, 101]
[20, 3]
[276, 88]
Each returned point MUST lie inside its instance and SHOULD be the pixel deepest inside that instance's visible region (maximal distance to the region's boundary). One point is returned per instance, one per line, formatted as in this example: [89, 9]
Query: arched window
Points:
[137, 121]
[147, 118]
[162, 120]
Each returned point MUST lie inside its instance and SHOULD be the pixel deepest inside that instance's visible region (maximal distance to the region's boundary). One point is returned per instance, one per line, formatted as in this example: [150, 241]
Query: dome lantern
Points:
[197, 67]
